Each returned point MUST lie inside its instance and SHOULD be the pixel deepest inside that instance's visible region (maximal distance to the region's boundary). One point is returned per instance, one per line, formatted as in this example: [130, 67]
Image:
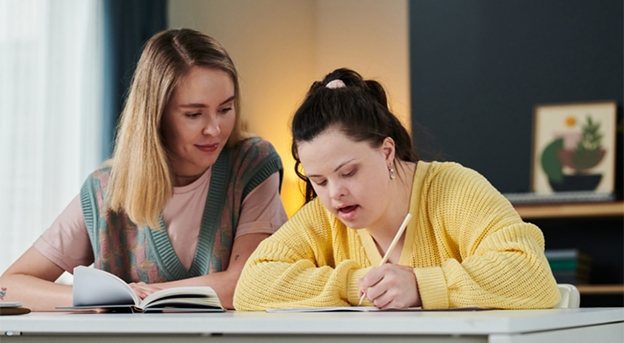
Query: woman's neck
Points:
[185, 180]
[385, 229]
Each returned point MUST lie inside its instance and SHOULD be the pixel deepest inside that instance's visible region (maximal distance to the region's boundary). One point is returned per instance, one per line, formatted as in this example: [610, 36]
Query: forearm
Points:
[274, 280]
[499, 259]
[34, 293]
[224, 283]
[510, 280]
[297, 286]
[512, 274]
[30, 280]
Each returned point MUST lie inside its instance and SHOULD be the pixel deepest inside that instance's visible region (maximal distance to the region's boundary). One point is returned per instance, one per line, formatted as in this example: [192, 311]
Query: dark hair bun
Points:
[359, 109]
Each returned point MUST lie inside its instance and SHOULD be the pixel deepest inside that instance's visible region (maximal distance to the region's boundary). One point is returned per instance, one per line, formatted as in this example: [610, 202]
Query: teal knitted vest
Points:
[141, 253]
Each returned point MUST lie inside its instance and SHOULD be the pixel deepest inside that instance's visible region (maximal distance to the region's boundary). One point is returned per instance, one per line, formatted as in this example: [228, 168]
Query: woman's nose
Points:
[211, 127]
[336, 190]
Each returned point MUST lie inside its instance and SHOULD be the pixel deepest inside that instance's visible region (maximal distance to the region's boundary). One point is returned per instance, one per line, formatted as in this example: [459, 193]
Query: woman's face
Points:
[198, 119]
[350, 178]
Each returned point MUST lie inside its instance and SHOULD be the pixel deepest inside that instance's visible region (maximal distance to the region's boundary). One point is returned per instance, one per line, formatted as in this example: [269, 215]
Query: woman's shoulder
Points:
[254, 146]
[253, 159]
[450, 182]
[450, 172]
[98, 178]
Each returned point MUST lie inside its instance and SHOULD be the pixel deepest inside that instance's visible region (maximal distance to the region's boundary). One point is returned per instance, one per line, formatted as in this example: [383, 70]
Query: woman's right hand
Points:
[391, 286]
[143, 290]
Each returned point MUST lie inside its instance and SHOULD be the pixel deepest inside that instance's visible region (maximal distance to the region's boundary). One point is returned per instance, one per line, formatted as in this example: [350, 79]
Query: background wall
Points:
[281, 46]
[479, 67]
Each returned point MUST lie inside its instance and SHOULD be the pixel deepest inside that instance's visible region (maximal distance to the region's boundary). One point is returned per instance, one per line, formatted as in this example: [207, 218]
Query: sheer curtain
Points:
[50, 112]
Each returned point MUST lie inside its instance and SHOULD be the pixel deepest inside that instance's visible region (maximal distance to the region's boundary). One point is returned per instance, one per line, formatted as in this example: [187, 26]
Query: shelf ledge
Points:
[601, 289]
[603, 209]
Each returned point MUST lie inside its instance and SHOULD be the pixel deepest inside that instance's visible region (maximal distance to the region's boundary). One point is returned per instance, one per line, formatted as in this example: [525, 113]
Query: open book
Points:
[94, 288]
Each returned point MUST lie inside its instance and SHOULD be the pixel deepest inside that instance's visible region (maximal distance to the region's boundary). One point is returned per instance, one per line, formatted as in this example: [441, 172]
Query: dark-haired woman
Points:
[465, 245]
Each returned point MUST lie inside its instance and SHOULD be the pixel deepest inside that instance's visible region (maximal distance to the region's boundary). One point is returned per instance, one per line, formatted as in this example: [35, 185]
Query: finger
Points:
[371, 278]
[383, 301]
[372, 293]
[142, 292]
[394, 298]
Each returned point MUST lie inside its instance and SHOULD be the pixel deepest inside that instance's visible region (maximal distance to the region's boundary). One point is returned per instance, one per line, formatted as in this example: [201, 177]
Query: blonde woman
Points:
[186, 197]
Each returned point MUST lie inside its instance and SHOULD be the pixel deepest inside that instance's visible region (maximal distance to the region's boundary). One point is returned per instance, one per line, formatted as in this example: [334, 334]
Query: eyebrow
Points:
[335, 170]
[204, 106]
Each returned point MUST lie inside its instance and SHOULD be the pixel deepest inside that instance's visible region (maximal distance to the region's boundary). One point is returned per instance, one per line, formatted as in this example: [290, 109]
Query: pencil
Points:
[392, 245]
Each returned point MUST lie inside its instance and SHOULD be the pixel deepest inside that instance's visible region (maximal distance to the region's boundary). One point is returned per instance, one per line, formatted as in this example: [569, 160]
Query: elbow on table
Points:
[544, 297]
[247, 294]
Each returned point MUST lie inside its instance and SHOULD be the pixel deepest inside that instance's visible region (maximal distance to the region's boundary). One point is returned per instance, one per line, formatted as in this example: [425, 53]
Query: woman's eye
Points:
[351, 173]
[193, 115]
[225, 110]
[322, 183]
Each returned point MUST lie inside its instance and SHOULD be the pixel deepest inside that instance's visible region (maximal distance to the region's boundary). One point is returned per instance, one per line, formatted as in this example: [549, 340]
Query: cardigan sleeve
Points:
[495, 260]
[296, 268]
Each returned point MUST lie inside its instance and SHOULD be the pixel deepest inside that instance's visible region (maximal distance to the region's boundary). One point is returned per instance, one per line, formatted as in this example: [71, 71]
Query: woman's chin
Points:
[353, 222]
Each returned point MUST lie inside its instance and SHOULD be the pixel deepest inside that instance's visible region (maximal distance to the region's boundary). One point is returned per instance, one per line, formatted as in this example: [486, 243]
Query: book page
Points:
[181, 296]
[94, 287]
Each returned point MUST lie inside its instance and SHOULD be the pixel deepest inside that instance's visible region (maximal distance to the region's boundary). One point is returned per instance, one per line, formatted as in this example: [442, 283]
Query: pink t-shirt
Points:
[66, 243]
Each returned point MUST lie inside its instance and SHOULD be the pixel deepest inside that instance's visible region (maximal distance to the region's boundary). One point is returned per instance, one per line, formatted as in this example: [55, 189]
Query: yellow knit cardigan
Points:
[467, 245]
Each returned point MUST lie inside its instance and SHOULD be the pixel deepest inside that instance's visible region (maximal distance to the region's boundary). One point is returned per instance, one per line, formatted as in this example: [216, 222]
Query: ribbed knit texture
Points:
[140, 253]
[467, 245]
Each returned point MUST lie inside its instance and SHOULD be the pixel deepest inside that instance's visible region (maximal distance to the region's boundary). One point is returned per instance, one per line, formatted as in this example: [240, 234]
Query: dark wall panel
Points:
[479, 67]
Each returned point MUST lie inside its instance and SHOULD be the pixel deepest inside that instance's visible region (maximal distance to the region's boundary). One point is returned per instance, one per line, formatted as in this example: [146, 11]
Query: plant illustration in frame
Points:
[574, 148]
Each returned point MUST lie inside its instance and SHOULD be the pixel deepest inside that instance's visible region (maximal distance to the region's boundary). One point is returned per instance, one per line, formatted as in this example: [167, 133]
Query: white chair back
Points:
[570, 296]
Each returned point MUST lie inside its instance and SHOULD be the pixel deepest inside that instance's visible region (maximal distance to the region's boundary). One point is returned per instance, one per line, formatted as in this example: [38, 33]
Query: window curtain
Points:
[51, 57]
[128, 25]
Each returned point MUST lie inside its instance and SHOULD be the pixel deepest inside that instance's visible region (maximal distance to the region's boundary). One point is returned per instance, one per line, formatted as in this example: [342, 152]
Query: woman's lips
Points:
[348, 212]
[208, 147]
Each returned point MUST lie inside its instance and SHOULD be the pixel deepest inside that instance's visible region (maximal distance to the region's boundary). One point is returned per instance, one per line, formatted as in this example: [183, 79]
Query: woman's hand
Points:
[143, 290]
[391, 286]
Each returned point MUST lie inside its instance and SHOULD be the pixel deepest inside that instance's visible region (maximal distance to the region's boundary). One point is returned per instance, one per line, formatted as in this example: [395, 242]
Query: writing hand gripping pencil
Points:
[391, 285]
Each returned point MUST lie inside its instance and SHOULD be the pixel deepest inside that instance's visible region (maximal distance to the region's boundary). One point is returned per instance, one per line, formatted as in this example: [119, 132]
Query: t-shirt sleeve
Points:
[66, 243]
[262, 210]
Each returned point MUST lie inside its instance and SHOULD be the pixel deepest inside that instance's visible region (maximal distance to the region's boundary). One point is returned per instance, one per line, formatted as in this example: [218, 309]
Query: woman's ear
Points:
[388, 149]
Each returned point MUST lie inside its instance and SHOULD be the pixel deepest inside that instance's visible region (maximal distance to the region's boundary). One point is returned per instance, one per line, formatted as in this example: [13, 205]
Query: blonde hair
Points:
[141, 175]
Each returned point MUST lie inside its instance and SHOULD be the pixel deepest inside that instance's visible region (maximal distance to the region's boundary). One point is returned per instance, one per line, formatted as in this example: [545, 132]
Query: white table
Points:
[561, 325]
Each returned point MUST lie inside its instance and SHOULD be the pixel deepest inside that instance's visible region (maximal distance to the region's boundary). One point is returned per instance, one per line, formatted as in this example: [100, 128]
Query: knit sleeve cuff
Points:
[432, 288]
[352, 287]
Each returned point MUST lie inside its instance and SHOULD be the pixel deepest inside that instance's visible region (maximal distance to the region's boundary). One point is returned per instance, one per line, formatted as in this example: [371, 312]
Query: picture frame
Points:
[574, 147]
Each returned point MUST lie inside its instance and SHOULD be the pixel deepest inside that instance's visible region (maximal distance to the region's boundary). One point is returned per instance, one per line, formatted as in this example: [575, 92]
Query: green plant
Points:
[587, 152]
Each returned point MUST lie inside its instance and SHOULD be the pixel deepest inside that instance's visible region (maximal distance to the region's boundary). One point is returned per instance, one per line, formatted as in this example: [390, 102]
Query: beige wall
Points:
[281, 46]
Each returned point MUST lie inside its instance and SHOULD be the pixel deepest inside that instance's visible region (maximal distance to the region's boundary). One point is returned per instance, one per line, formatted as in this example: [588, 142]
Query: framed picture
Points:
[574, 148]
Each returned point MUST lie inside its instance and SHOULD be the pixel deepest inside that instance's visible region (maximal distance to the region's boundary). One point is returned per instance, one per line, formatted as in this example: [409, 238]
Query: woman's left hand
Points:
[143, 290]
[391, 286]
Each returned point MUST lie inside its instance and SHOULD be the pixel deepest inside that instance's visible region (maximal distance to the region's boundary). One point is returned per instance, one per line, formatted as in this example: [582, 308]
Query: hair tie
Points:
[337, 83]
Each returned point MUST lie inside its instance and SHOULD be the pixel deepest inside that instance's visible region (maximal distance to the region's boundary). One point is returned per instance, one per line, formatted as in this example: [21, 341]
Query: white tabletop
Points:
[395, 323]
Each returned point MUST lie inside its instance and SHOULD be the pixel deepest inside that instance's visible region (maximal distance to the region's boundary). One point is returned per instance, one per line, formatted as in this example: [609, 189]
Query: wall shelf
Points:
[601, 289]
[542, 211]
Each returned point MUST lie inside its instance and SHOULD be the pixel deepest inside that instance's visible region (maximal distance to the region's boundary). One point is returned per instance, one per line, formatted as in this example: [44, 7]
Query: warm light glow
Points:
[280, 50]
[291, 193]
[570, 121]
